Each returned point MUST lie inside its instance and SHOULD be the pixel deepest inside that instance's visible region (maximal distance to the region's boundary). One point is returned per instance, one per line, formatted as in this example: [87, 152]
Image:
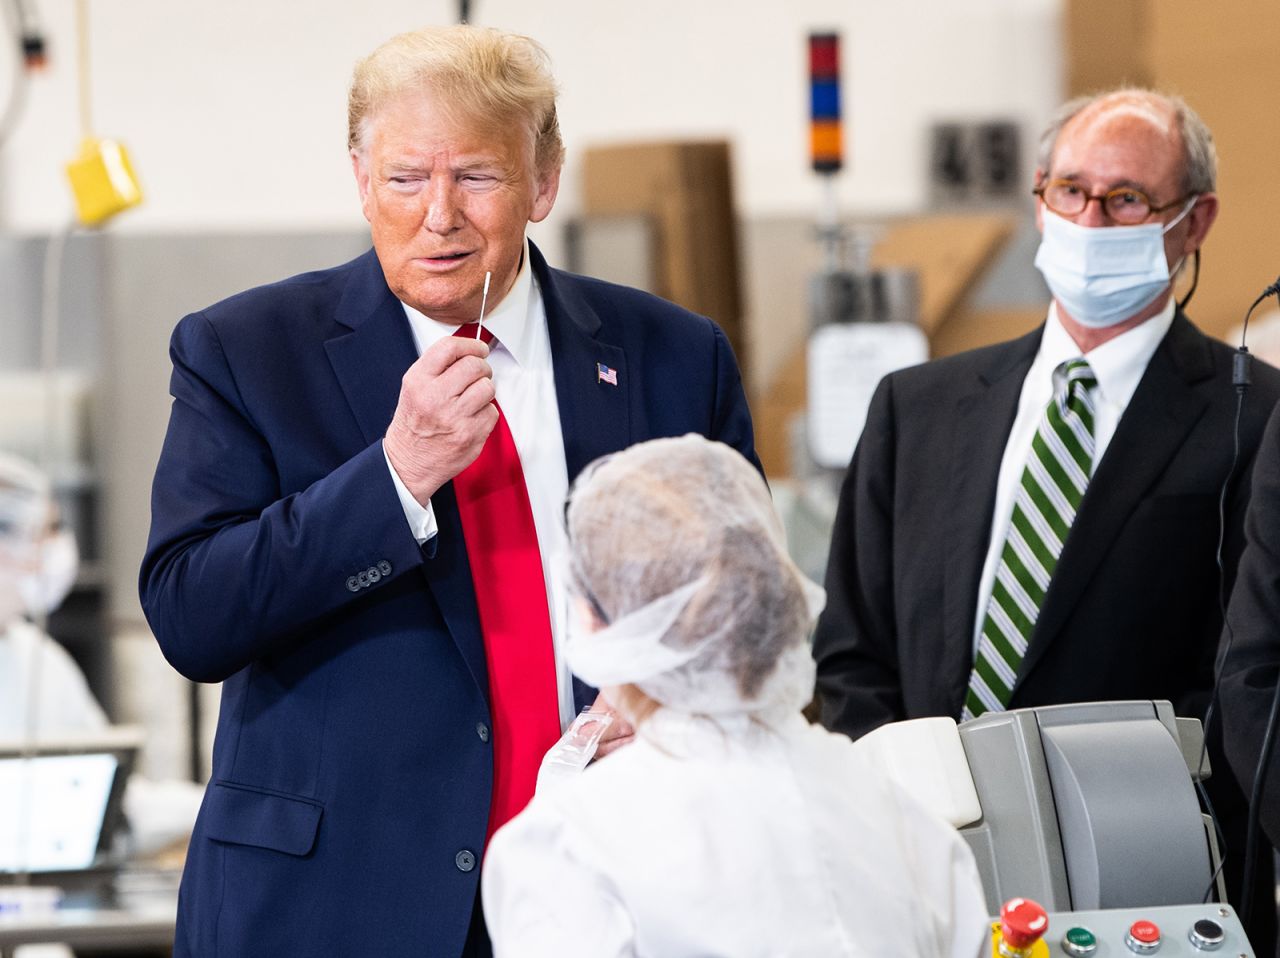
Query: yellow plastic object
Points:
[103, 181]
[1038, 950]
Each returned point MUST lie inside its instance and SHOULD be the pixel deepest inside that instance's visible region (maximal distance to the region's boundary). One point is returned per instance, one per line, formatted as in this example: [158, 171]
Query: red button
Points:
[1022, 922]
[1147, 932]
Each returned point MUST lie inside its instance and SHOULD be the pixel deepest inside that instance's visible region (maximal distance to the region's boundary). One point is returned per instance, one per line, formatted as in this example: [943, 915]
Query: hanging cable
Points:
[50, 300]
[51, 288]
[1240, 380]
[1207, 721]
[82, 62]
[102, 177]
[34, 49]
[1240, 377]
[17, 98]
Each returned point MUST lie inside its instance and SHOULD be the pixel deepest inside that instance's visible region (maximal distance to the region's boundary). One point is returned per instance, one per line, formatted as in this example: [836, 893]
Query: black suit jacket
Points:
[1252, 665]
[1132, 611]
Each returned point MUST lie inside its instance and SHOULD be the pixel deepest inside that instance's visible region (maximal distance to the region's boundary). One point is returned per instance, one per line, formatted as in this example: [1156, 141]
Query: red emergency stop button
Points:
[1143, 937]
[1022, 923]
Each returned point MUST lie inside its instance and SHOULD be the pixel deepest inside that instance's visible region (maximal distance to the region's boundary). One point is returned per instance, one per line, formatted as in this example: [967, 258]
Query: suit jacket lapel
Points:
[1164, 408]
[985, 416]
[595, 415]
[371, 358]
[369, 362]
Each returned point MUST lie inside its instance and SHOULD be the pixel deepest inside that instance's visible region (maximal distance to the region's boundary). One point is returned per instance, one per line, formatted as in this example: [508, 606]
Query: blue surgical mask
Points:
[1102, 275]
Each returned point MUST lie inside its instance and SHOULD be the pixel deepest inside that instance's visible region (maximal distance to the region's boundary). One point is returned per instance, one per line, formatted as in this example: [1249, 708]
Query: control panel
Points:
[1025, 930]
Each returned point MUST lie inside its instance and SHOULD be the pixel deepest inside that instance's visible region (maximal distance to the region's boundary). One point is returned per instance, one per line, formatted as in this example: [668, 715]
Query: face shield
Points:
[38, 560]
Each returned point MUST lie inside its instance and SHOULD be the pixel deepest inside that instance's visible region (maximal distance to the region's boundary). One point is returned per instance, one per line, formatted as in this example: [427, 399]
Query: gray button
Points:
[384, 567]
[353, 584]
[465, 860]
[374, 575]
[483, 731]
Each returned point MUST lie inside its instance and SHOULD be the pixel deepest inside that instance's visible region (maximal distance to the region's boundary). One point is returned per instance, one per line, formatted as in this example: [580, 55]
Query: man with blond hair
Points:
[357, 513]
[1037, 522]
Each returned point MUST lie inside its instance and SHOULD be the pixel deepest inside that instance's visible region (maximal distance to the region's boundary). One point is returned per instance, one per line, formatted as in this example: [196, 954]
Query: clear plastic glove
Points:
[577, 746]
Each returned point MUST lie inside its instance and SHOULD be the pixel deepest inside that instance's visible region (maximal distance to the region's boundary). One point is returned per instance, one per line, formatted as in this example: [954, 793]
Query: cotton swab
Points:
[484, 298]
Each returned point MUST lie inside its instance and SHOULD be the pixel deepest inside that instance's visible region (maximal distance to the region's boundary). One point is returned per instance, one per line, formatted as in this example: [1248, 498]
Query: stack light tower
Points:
[826, 139]
[864, 321]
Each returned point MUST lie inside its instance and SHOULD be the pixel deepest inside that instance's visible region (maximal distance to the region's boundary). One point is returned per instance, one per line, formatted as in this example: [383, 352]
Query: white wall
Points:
[235, 111]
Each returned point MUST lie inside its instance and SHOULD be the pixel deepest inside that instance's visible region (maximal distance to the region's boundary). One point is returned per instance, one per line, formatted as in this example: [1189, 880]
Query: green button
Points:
[1079, 941]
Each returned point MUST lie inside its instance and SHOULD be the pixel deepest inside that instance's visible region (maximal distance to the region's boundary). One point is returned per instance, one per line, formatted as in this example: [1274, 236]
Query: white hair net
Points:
[676, 546]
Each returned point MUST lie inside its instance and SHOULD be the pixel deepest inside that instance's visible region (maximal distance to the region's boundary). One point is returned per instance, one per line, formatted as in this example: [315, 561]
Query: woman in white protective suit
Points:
[42, 690]
[730, 826]
[43, 693]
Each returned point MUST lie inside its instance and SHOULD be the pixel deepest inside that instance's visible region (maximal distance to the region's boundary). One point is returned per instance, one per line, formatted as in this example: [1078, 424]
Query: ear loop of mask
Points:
[631, 649]
[1195, 281]
[1195, 261]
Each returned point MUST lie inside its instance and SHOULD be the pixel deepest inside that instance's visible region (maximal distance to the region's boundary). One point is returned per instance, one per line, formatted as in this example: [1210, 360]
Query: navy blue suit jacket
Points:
[352, 768]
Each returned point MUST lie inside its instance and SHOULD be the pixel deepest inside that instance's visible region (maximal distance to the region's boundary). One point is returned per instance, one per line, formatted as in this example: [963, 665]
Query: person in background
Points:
[42, 690]
[1251, 668]
[730, 826]
[357, 510]
[1037, 522]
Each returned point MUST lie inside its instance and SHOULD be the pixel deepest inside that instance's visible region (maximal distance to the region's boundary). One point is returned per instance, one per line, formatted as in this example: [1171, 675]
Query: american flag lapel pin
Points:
[606, 374]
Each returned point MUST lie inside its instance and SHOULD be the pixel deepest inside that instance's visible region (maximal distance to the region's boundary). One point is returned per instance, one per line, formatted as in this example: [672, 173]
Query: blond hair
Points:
[487, 79]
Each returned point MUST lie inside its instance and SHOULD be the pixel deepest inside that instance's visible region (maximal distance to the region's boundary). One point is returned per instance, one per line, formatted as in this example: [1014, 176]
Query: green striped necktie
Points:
[1048, 496]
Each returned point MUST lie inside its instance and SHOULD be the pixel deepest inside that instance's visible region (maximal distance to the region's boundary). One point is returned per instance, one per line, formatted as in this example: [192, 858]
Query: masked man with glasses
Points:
[1037, 522]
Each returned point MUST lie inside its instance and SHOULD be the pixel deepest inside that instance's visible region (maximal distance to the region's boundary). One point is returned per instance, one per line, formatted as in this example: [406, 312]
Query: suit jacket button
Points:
[465, 860]
[384, 567]
[353, 584]
[483, 731]
[374, 574]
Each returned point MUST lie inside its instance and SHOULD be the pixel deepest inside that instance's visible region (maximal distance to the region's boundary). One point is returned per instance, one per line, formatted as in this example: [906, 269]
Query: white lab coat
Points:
[66, 706]
[748, 839]
[160, 812]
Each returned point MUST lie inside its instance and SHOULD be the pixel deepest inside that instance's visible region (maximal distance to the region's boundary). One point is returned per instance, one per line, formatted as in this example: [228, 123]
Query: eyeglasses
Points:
[1124, 205]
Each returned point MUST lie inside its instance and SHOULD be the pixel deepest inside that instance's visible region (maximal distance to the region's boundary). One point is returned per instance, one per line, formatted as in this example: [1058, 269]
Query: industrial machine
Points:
[1173, 931]
[1084, 823]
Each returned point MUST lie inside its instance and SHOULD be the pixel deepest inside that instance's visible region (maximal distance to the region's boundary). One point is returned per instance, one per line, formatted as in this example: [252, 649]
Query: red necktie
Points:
[511, 597]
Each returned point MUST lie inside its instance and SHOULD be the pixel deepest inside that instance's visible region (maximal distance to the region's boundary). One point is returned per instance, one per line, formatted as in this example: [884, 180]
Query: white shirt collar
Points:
[1118, 364]
[508, 321]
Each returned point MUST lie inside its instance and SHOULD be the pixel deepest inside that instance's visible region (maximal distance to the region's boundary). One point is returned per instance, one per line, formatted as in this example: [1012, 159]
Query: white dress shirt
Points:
[524, 379]
[1117, 364]
[747, 838]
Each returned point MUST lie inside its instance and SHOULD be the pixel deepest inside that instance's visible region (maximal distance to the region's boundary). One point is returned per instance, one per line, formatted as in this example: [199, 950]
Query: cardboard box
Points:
[687, 189]
[1222, 59]
[1106, 44]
